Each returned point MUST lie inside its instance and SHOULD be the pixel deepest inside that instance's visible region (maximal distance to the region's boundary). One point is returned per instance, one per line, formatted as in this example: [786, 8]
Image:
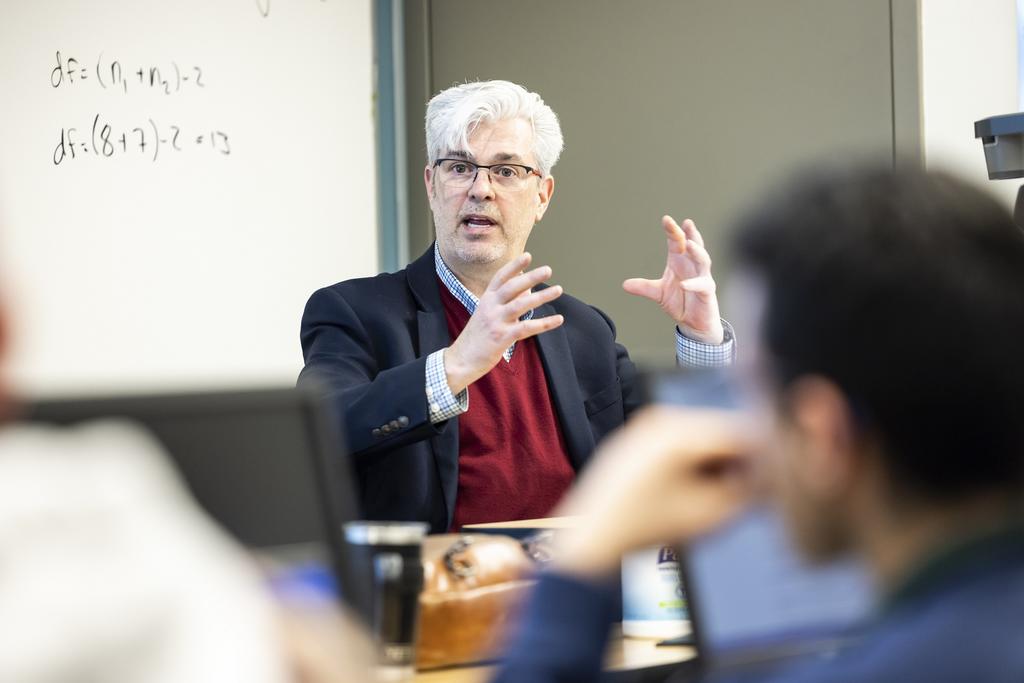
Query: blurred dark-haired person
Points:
[890, 309]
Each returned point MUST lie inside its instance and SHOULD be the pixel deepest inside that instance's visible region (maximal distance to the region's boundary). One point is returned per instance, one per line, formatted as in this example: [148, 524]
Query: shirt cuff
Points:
[443, 404]
[691, 353]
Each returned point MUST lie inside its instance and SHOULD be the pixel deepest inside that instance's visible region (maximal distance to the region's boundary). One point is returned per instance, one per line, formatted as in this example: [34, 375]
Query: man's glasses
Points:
[459, 173]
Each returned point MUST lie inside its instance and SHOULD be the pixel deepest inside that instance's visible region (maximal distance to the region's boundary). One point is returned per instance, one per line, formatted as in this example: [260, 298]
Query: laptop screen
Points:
[266, 464]
[748, 588]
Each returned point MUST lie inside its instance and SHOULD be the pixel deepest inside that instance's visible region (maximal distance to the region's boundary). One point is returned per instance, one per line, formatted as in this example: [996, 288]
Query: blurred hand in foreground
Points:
[670, 475]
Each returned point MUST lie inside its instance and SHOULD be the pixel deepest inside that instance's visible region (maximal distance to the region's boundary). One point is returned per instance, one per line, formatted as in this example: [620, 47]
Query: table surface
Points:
[621, 654]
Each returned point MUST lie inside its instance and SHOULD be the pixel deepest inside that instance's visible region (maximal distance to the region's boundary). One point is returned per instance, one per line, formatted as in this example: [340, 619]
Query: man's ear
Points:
[821, 414]
[544, 191]
[428, 181]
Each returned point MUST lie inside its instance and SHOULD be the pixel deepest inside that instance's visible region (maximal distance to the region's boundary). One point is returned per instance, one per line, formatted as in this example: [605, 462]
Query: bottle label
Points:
[651, 586]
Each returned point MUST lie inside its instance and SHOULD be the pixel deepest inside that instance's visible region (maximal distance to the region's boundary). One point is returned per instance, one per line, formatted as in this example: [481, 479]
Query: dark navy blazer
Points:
[367, 340]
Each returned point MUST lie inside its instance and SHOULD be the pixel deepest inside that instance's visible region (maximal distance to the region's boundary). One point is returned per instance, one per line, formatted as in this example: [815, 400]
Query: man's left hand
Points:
[686, 290]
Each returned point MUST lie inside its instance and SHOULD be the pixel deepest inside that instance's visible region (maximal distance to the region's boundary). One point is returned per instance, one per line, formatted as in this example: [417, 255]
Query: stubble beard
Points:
[820, 534]
[478, 251]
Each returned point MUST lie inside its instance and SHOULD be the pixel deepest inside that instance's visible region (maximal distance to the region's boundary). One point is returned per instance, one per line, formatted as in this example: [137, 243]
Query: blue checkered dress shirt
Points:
[445, 405]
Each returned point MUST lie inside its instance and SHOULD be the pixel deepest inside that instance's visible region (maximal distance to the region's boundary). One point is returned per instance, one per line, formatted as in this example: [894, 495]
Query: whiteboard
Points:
[178, 184]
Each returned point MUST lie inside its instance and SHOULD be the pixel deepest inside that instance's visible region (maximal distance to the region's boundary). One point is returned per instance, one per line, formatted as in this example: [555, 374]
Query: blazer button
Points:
[375, 432]
[395, 426]
[403, 421]
[384, 429]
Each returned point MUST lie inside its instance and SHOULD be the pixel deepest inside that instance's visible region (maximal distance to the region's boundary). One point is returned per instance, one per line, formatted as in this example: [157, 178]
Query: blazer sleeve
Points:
[625, 371]
[562, 633]
[339, 356]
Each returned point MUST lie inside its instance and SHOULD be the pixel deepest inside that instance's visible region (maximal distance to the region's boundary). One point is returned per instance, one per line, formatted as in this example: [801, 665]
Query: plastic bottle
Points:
[653, 603]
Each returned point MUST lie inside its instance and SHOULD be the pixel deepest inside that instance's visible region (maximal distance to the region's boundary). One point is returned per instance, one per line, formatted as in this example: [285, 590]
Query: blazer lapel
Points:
[560, 373]
[432, 330]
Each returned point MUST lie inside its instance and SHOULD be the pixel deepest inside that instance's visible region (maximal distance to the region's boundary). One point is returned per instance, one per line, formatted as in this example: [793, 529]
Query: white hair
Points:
[453, 115]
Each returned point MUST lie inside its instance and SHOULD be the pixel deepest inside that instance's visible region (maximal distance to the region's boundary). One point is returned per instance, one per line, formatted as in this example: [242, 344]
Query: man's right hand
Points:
[495, 325]
[671, 474]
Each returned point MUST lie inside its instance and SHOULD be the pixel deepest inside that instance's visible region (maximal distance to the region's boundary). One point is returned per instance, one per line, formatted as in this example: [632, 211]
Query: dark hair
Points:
[907, 290]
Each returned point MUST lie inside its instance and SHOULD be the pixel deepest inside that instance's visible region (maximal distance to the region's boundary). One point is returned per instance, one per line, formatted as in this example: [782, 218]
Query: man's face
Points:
[487, 225]
[816, 518]
[800, 469]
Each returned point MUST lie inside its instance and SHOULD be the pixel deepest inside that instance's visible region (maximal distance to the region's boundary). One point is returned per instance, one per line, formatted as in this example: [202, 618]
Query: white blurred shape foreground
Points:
[109, 572]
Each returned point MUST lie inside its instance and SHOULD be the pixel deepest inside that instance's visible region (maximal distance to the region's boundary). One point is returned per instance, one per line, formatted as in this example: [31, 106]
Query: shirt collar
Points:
[458, 290]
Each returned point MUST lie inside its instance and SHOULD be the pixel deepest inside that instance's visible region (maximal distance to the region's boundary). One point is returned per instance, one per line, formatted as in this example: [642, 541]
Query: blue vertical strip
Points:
[387, 173]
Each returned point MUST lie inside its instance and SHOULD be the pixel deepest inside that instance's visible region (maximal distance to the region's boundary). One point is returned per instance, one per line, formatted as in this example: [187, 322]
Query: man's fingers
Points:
[726, 466]
[699, 255]
[649, 289]
[704, 284]
[509, 270]
[522, 283]
[711, 432]
[524, 302]
[681, 234]
[529, 328]
[675, 234]
[692, 233]
[709, 504]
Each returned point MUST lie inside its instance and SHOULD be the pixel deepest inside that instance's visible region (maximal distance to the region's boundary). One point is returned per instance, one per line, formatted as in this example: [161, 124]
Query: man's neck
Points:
[899, 541]
[474, 276]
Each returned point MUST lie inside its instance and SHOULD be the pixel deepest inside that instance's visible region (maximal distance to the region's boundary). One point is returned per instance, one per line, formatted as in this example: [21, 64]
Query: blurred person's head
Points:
[890, 309]
[110, 571]
[483, 218]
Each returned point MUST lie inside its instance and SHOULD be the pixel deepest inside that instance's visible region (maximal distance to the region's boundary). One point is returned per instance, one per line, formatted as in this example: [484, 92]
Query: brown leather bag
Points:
[473, 587]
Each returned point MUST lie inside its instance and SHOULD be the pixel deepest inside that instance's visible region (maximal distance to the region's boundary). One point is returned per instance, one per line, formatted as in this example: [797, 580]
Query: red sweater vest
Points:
[512, 458]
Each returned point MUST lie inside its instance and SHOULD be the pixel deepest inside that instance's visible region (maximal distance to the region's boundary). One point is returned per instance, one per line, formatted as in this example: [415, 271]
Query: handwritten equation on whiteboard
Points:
[105, 141]
[112, 74]
[147, 139]
[73, 73]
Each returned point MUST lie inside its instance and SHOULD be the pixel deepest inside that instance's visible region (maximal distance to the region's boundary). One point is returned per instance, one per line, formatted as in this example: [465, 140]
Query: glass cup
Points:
[388, 558]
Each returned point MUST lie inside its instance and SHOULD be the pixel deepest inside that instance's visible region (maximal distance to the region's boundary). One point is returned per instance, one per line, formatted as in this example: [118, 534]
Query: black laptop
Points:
[266, 464]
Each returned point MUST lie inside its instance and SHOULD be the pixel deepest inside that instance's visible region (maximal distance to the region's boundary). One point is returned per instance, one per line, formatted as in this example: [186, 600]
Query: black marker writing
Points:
[264, 7]
[103, 140]
[112, 74]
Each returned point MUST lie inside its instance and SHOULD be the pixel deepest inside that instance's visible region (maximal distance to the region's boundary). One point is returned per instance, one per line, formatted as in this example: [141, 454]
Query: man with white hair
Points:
[402, 352]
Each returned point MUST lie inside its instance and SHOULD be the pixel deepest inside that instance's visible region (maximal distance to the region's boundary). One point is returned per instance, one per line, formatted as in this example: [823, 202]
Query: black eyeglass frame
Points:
[530, 170]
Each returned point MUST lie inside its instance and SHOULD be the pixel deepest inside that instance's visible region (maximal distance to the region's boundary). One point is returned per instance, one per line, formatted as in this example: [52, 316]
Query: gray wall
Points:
[686, 107]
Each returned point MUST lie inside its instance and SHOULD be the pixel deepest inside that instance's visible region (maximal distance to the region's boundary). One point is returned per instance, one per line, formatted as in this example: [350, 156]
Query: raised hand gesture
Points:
[686, 290]
[495, 325]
